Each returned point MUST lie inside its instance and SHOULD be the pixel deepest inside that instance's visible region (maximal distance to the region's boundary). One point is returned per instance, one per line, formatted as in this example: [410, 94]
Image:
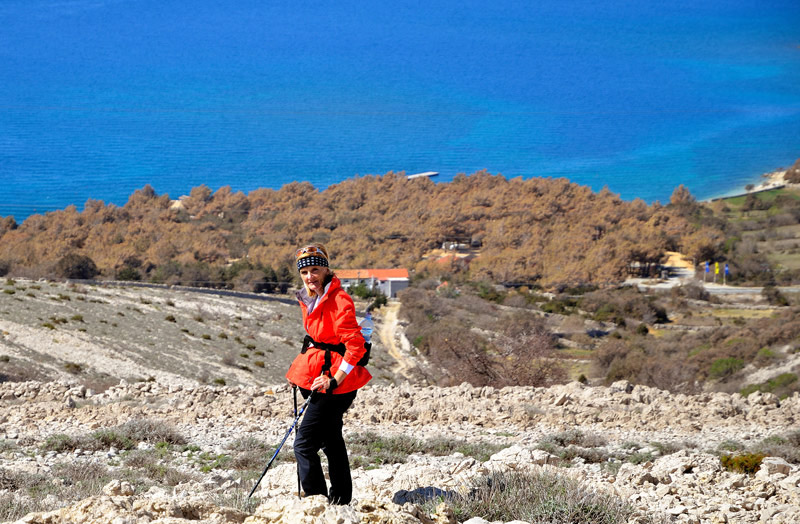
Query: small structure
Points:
[387, 281]
[426, 174]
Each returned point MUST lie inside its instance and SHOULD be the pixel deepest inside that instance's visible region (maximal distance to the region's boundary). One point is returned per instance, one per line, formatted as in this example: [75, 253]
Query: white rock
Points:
[773, 466]
[118, 487]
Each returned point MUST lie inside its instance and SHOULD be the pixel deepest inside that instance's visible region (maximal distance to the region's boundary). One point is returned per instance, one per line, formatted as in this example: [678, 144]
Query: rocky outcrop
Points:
[687, 485]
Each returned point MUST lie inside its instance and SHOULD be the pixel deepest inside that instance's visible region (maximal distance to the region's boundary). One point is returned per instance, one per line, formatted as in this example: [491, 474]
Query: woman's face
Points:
[314, 278]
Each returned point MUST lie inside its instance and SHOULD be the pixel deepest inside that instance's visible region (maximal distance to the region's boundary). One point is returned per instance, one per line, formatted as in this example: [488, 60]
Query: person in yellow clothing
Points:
[330, 364]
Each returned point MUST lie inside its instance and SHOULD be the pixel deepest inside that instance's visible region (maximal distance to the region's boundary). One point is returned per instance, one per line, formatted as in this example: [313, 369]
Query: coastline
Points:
[770, 180]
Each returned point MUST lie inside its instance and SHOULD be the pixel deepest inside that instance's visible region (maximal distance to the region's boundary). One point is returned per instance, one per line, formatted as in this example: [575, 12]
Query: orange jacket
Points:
[332, 321]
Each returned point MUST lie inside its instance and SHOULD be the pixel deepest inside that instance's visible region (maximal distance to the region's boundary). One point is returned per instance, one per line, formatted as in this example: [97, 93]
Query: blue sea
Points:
[100, 97]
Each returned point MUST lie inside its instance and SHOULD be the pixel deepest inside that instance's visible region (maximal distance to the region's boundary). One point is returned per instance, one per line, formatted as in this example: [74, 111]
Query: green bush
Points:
[75, 266]
[773, 295]
[561, 306]
[725, 367]
[129, 273]
[61, 442]
[108, 437]
[73, 367]
[748, 463]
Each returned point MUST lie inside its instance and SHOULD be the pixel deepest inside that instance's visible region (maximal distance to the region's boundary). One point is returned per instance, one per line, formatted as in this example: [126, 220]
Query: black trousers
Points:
[321, 428]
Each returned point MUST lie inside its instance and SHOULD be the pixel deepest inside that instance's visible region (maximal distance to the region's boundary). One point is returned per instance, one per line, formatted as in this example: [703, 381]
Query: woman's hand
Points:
[321, 382]
[325, 382]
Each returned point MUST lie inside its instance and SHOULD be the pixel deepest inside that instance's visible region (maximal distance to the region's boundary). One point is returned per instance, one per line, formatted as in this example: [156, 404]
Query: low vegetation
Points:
[535, 497]
[370, 449]
[673, 340]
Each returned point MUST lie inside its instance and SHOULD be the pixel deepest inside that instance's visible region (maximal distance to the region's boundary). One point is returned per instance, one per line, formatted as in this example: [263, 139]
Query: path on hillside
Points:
[391, 339]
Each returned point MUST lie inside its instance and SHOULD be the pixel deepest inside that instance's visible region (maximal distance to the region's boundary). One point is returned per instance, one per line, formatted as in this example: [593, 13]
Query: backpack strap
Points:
[337, 348]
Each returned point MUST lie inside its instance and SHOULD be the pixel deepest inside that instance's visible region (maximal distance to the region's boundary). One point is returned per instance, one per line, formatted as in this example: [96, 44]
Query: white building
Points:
[387, 281]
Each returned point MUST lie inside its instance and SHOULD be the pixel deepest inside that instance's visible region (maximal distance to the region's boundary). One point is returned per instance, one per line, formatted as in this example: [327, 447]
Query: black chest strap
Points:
[336, 348]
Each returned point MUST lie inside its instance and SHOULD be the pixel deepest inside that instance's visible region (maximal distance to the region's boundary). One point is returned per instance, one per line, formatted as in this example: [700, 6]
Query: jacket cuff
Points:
[347, 368]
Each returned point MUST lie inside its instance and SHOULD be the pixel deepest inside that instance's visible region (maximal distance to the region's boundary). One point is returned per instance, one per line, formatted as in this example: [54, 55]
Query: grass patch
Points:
[370, 449]
[779, 385]
[35, 492]
[786, 446]
[121, 437]
[208, 461]
[73, 368]
[150, 464]
[741, 313]
[252, 454]
[535, 497]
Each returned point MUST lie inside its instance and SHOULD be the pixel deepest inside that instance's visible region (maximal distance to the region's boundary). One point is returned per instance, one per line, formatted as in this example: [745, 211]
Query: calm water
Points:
[100, 97]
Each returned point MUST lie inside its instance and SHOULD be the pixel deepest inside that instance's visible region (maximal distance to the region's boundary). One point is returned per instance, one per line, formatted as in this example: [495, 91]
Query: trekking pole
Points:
[294, 390]
[286, 436]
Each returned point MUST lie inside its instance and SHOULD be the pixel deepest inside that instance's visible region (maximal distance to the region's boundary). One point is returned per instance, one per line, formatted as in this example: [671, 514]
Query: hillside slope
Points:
[98, 335]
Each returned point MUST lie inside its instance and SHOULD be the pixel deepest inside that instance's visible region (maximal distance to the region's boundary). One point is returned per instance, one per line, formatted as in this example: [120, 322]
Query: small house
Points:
[387, 281]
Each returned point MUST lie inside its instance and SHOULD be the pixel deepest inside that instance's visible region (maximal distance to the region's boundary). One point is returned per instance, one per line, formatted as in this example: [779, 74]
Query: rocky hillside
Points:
[100, 335]
[159, 452]
[161, 405]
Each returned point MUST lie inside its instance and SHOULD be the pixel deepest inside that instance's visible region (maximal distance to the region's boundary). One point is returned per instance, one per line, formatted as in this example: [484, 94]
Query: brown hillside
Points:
[545, 231]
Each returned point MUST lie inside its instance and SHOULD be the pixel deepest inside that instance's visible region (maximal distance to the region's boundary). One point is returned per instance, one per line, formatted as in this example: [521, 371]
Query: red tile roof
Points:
[380, 274]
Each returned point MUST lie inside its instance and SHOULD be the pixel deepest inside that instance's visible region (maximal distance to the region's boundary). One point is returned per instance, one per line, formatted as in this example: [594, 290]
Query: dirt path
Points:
[395, 342]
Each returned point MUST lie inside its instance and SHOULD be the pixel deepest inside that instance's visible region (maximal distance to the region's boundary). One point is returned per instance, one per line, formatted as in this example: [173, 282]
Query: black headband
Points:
[312, 260]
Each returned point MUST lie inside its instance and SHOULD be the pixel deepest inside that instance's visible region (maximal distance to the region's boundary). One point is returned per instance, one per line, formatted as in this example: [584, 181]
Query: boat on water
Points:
[426, 174]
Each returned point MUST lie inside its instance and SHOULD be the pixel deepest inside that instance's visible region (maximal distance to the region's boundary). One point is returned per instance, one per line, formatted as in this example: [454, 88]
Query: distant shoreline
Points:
[771, 180]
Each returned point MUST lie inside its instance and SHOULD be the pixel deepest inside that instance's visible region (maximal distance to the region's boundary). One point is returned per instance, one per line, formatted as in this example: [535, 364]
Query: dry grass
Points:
[537, 498]
[739, 313]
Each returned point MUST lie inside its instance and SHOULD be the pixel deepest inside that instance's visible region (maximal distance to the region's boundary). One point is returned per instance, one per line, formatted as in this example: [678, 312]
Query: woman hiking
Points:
[329, 366]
